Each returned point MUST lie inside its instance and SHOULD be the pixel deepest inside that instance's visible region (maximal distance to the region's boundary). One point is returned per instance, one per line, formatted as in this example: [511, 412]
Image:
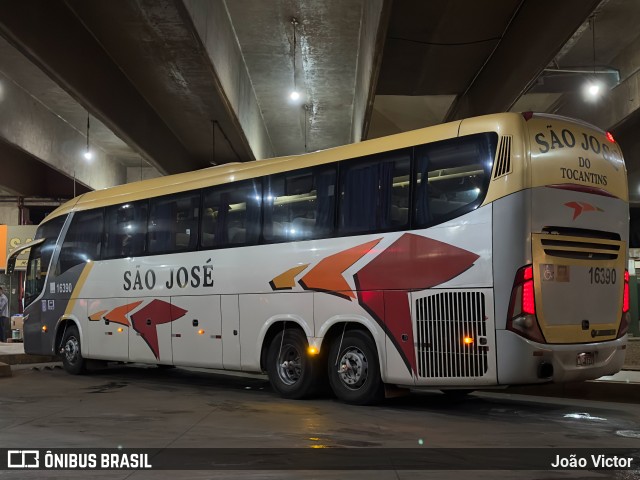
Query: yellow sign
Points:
[12, 237]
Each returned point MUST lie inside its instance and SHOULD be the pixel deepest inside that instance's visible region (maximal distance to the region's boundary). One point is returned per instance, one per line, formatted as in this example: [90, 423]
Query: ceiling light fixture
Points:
[88, 155]
[294, 95]
[593, 88]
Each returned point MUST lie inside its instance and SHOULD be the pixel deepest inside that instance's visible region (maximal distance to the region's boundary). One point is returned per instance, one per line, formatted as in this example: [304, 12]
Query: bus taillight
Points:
[625, 295]
[624, 320]
[528, 295]
[522, 307]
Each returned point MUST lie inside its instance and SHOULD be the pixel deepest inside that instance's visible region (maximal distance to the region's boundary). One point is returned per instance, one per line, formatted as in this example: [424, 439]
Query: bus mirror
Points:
[11, 264]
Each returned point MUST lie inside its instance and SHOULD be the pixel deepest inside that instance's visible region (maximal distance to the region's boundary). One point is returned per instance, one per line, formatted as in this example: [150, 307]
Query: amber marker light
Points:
[44, 328]
[467, 340]
[200, 332]
[120, 330]
[313, 350]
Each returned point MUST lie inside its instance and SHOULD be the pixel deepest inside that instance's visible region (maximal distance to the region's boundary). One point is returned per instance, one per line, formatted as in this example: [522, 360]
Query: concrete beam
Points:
[534, 36]
[51, 36]
[41, 153]
[373, 32]
[213, 25]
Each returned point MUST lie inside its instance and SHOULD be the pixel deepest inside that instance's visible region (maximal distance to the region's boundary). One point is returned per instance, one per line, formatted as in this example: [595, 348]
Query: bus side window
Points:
[83, 240]
[374, 193]
[173, 223]
[232, 214]
[299, 205]
[451, 177]
[125, 230]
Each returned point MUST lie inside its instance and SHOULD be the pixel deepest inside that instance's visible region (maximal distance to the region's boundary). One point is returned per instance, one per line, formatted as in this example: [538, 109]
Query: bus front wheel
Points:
[354, 370]
[71, 354]
[292, 372]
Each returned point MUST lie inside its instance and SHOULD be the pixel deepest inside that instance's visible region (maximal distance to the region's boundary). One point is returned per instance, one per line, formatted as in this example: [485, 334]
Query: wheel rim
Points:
[72, 350]
[289, 365]
[353, 368]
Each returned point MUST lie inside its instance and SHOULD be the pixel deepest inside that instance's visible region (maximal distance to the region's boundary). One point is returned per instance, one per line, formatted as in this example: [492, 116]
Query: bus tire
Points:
[354, 369]
[292, 372]
[72, 360]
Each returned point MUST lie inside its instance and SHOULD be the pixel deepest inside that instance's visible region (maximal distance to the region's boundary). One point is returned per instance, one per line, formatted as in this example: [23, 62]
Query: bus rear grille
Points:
[503, 157]
[442, 321]
[579, 248]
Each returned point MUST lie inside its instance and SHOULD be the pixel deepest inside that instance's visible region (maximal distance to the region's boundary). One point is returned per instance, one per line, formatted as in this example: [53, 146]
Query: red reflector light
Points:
[625, 294]
[610, 137]
[528, 298]
[527, 115]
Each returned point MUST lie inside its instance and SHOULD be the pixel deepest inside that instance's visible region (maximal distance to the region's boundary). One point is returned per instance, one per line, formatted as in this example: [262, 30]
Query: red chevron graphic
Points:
[410, 263]
[146, 320]
[580, 207]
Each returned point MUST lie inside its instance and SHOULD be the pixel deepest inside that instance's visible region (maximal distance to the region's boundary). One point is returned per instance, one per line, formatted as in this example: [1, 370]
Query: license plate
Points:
[585, 359]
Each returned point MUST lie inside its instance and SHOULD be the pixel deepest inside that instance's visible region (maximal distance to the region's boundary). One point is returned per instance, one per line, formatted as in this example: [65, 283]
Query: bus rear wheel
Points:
[354, 369]
[292, 373]
[72, 359]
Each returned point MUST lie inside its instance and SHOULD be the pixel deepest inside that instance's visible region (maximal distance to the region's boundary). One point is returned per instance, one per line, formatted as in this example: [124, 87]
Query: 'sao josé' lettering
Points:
[553, 140]
[181, 277]
[566, 139]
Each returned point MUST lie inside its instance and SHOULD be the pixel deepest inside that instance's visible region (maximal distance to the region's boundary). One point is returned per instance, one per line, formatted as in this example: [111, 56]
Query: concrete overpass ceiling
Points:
[184, 83]
[326, 54]
[484, 53]
[437, 48]
[17, 69]
[157, 48]
[148, 84]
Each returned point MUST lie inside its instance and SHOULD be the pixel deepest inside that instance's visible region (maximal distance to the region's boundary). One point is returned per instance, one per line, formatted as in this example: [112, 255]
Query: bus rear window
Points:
[451, 177]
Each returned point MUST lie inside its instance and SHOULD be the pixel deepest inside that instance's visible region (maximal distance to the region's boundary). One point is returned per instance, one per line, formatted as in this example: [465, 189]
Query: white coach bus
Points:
[483, 252]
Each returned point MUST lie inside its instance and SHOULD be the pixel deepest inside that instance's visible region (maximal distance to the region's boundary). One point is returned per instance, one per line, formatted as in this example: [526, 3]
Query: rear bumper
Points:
[519, 360]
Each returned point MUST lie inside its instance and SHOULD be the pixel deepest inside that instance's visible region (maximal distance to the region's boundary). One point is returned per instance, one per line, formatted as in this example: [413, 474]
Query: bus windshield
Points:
[40, 256]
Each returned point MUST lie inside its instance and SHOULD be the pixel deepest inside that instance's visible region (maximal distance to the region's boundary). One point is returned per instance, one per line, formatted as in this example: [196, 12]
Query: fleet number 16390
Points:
[602, 276]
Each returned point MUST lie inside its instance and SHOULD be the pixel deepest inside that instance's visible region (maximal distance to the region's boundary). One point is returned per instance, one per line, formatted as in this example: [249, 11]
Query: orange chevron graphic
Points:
[119, 314]
[579, 207]
[97, 316]
[287, 280]
[327, 276]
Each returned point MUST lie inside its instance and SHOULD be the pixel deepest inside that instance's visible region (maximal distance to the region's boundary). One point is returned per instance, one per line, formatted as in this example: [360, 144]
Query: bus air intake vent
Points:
[581, 232]
[581, 248]
[503, 157]
[443, 322]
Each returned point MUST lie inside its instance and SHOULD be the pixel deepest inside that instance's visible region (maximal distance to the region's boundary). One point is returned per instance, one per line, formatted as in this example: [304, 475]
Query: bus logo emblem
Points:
[580, 207]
